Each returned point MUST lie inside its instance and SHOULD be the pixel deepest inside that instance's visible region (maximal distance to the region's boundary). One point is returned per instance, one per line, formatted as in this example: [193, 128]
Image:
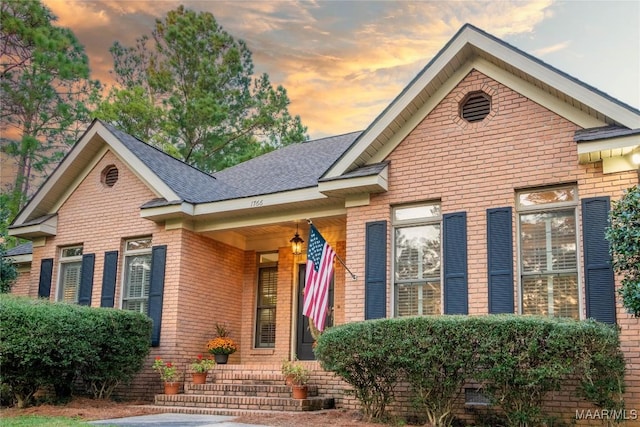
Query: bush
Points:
[360, 354]
[44, 343]
[623, 234]
[517, 359]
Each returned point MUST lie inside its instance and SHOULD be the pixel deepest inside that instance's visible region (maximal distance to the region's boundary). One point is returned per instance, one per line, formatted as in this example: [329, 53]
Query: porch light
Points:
[296, 243]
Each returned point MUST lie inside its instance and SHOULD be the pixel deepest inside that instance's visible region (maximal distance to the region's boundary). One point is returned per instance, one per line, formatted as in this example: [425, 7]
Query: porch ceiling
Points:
[268, 237]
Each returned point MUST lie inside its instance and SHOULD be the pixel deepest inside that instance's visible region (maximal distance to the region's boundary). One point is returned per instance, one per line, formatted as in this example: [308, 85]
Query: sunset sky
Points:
[343, 62]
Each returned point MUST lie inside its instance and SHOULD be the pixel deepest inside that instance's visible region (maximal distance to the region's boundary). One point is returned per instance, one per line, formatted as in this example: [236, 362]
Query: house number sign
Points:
[257, 203]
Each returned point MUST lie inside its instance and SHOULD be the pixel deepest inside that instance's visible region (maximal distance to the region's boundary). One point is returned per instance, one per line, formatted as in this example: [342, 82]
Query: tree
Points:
[8, 272]
[623, 234]
[197, 91]
[45, 91]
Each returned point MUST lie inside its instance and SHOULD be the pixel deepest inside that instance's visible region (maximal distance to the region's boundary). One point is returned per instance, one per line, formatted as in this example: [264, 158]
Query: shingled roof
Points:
[293, 167]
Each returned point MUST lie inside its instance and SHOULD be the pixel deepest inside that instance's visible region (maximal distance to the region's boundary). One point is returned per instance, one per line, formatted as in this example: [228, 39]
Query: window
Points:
[548, 252]
[417, 261]
[266, 305]
[70, 269]
[137, 271]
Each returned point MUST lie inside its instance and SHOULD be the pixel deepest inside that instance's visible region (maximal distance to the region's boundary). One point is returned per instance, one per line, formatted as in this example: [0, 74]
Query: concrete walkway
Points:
[173, 420]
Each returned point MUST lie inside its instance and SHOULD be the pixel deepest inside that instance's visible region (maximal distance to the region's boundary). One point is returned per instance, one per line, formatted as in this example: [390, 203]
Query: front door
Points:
[304, 347]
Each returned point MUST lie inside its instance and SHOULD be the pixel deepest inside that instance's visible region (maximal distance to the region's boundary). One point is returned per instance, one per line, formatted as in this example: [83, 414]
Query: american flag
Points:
[320, 258]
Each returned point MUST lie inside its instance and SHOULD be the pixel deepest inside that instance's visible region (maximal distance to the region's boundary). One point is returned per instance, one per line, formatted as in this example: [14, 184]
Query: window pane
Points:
[417, 299]
[416, 212]
[138, 270]
[139, 305]
[555, 195]
[133, 245]
[70, 281]
[267, 287]
[71, 252]
[266, 330]
[550, 295]
[548, 241]
[417, 252]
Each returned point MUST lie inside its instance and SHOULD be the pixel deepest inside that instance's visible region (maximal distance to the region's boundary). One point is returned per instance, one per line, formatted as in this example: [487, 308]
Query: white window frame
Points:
[522, 209]
[130, 253]
[433, 218]
[63, 264]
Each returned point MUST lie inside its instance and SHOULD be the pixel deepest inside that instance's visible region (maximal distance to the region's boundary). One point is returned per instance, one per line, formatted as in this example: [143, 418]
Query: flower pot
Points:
[171, 388]
[299, 391]
[199, 377]
[221, 359]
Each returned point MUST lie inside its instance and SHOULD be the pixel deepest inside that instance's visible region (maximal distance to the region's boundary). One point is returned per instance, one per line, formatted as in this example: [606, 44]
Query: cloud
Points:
[552, 49]
[341, 62]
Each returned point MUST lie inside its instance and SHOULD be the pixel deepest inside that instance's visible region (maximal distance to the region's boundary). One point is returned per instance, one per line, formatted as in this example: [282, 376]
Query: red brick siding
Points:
[476, 166]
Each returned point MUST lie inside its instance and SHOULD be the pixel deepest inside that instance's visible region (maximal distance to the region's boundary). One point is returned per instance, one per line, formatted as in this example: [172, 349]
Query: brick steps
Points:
[219, 411]
[232, 389]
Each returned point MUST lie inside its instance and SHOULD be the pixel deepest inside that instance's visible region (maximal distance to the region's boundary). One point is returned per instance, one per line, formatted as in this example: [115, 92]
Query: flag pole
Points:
[353, 276]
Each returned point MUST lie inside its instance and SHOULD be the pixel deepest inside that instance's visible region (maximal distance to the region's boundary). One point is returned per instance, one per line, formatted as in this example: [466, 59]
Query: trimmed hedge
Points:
[517, 359]
[44, 343]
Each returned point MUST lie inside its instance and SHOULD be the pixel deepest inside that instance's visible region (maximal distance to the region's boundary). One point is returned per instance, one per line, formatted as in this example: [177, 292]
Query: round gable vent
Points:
[475, 107]
[110, 176]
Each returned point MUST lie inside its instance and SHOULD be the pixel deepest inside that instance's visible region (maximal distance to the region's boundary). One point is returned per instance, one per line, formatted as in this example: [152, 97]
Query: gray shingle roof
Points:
[189, 183]
[23, 249]
[292, 167]
[603, 132]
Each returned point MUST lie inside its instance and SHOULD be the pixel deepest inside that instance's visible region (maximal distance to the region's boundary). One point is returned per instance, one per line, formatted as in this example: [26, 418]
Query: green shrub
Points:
[623, 235]
[436, 356]
[119, 344]
[360, 354]
[44, 343]
[518, 360]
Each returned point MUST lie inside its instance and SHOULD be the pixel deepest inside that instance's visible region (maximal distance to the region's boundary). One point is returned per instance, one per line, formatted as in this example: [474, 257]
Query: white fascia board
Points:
[397, 106]
[537, 95]
[423, 112]
[557, 80]
[169, 211]
[290, 215]
[363, 184]
[620, 142]
[46, 228]
[260, 201]
[20, 259]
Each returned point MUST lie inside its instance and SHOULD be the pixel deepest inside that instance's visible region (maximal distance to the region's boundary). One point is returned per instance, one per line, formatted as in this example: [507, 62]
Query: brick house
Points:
[484, 187]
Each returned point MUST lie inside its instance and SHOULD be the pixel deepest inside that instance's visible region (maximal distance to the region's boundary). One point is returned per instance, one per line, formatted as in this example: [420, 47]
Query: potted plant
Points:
[299, 378]
[222, 346]
[199, 369]
[168, 374]
[287, 370]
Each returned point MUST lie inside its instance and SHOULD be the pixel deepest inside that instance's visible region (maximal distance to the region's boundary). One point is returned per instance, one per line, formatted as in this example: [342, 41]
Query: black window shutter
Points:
[598, 272]
[86, 279]
[156, 289]
[454, 241]
[375, 270]
[500, 260]
[46, 271]
[109, 278]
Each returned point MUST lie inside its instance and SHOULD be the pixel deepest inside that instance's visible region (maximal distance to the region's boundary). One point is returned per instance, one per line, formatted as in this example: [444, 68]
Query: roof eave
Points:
[46, 228]
[375, 183]
[615, 153]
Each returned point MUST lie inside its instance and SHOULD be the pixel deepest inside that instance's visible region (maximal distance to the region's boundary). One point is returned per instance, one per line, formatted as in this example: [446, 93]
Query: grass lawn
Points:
[38, 421]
